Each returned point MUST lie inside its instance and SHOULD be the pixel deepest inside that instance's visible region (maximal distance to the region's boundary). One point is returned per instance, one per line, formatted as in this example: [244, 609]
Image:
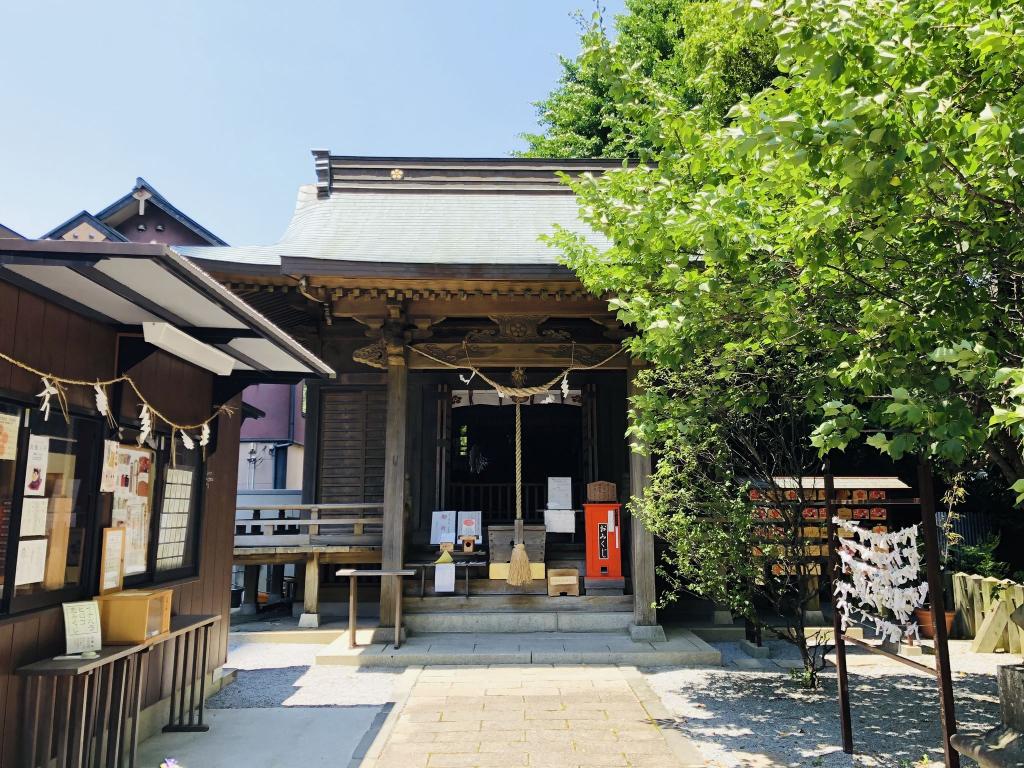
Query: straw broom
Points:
[519, 565]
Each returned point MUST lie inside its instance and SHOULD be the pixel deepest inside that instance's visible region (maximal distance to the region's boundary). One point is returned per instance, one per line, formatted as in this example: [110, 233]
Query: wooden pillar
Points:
[251, 585]
[393, 549]
[311, 594]
[645, 616]
[275, 582]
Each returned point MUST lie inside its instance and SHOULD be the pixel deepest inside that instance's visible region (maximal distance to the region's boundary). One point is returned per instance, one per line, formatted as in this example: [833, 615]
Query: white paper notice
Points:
[470, 524]
[138, 537]
[33, 517]
[559, 493]
[108, 481]
[31, 562]
[9, 424]
[35, 468]
[110, 579]
[82, 626]
[444, 577]
[442, 527]
[559, 521]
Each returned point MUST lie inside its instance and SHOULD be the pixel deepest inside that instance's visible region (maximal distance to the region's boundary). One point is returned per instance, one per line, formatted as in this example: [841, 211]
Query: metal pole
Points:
[947, 714]
[835, 570]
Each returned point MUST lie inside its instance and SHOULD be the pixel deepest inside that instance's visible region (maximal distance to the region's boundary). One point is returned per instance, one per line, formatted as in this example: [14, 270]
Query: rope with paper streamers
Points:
[884, 570]
[55, 387]
[504, 390]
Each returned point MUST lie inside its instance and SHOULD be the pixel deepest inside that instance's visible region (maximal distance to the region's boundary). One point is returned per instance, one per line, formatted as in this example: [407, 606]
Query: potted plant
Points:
[926, 625]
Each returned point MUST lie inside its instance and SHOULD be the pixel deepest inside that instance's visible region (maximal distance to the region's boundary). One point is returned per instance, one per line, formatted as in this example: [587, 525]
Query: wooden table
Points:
[353, 604]
[466, 564]
[92, 705]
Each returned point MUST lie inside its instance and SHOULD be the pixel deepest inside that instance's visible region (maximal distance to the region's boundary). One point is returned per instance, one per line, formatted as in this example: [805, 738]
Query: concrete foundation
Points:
[754, 651]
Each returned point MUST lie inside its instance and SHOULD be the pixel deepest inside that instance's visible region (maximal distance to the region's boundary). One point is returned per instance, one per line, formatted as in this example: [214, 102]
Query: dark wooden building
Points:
[77, 310]
[403, 272]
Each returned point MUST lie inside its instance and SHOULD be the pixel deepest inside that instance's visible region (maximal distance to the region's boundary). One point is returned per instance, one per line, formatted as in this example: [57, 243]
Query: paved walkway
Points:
[536, 716]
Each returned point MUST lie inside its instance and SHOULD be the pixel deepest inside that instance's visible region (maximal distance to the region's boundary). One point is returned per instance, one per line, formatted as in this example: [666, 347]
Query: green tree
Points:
[695, 50]
[862, 215]
[709, 458]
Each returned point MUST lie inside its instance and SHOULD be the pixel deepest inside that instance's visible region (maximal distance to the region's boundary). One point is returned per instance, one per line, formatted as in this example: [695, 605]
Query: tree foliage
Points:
[694, 50]
[860, 218]
[710, 456]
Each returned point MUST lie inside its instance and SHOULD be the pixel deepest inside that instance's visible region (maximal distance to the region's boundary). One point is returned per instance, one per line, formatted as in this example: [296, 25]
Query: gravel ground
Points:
[741, 717]
[283, 675]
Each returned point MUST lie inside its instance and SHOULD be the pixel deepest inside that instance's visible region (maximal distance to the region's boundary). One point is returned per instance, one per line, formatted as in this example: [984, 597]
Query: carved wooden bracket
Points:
[517, 328]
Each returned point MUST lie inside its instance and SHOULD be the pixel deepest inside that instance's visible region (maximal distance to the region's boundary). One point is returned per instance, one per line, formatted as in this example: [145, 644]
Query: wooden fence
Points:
[991, 611]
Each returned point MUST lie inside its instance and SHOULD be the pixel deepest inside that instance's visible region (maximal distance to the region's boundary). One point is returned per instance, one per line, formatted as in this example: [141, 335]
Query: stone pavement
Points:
[537, 716]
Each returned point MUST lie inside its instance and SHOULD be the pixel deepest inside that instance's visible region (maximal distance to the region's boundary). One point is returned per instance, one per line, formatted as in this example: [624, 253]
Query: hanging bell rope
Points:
[519, 564]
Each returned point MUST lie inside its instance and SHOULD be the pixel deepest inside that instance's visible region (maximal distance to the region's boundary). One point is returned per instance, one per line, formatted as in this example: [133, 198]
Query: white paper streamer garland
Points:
[884, 571]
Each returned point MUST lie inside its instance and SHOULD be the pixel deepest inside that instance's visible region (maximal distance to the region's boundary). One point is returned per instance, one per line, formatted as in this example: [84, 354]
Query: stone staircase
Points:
[517, 612]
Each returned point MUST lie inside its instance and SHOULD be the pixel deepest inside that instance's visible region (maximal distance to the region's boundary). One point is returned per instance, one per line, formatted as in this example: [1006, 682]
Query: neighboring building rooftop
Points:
[368, 213]
[127, 285]
[8, 233]
[141, 216]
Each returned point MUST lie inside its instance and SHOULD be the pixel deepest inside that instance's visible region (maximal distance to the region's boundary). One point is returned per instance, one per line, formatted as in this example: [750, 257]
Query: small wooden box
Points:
[135, 615]
[563, 581]
[602, 490]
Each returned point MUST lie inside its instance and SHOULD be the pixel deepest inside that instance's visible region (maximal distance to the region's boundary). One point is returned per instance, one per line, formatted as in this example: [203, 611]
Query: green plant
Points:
[979, 558]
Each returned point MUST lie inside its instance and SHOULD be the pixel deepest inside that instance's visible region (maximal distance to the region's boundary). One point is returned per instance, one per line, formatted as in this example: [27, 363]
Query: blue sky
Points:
[218, 102]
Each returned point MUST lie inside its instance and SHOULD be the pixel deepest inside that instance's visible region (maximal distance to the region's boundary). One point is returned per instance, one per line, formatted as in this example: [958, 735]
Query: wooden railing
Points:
[301, 525]
[497, 500]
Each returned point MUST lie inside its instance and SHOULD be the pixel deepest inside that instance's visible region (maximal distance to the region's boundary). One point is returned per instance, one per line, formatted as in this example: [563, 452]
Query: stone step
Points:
[480, 586]
[682, 649]
[516, 603]
[476, 587]
[525, 621]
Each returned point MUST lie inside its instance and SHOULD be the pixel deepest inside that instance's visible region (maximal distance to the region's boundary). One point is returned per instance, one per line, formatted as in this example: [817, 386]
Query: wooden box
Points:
[563, 581]
[501, 539]
[135, 615]
[602, 490]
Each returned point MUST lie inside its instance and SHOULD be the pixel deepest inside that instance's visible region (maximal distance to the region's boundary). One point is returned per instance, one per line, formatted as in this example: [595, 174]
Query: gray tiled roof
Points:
[422, 227]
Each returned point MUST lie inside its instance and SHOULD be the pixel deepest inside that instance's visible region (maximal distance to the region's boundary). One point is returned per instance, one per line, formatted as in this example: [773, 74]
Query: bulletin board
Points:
[133, 504]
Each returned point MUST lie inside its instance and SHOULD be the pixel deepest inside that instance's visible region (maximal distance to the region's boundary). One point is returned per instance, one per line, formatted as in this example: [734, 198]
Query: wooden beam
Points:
[644, 595]
[463, 303]
[513, 355]
[393, 549]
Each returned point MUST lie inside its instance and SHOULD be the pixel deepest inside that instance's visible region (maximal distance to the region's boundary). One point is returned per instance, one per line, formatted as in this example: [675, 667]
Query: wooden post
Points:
[275, 582]
[947, 713]
[393, 549]
[310, 617]
[835, 573]
[250, 595]
[644, 595]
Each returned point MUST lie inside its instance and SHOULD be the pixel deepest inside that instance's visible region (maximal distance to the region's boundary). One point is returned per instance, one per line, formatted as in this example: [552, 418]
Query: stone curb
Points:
[367, 758]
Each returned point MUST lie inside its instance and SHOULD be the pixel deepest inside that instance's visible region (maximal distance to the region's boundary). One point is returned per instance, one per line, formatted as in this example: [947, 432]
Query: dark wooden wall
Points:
[55, 340]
